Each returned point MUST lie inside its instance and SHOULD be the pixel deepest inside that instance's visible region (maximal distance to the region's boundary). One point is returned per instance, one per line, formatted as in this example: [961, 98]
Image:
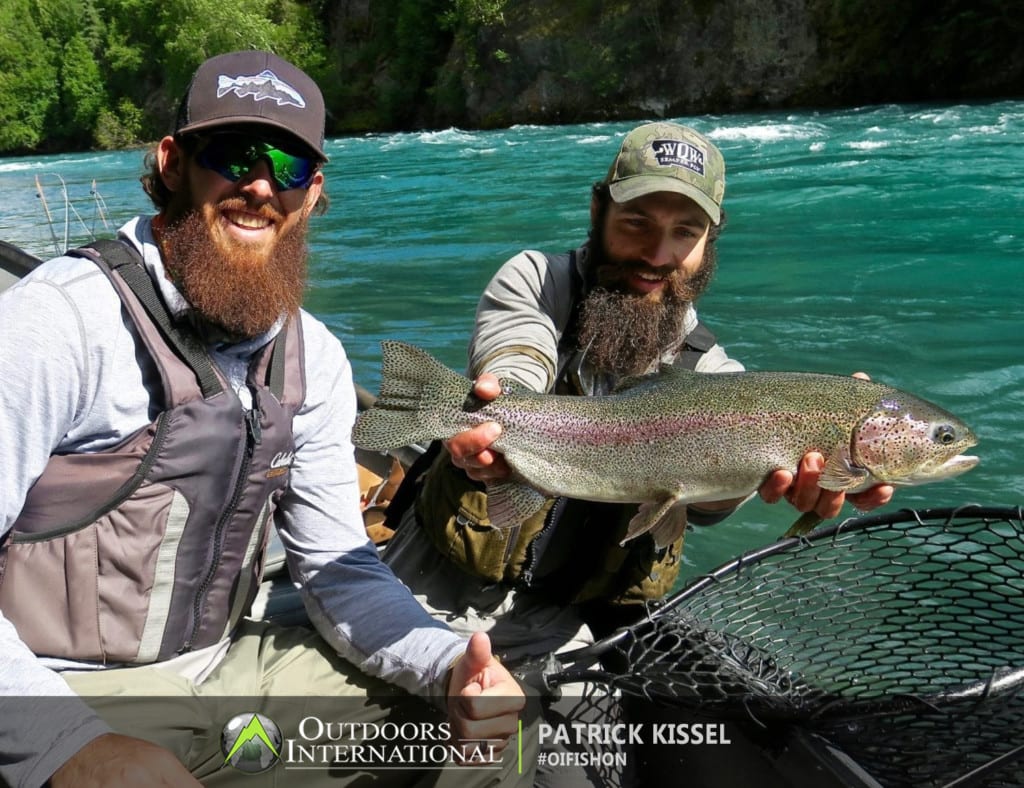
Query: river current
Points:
[886, 239]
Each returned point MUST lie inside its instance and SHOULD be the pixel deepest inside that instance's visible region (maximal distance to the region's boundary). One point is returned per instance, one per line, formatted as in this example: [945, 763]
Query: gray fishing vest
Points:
[155, 547]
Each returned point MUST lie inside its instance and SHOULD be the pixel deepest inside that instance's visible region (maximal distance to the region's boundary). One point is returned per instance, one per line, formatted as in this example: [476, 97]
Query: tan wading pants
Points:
[522, 626]
[292, 677]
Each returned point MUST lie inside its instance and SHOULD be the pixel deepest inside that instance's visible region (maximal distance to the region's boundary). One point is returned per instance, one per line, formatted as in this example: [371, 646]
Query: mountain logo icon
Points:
[251, 743]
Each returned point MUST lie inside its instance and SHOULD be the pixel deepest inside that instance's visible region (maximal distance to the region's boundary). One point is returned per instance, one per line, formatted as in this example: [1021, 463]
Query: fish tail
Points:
[416, 393]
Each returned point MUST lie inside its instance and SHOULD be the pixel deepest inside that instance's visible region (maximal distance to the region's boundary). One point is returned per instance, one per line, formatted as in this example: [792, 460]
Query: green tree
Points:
[120, 127]
[83, 95]
[128, 45]
[158, 58]
[76, 73]
[193, 30]
[28, 78]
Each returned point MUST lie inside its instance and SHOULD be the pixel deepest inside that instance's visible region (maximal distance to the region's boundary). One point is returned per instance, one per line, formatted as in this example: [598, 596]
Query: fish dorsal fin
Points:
[632, 382]
[665, 374]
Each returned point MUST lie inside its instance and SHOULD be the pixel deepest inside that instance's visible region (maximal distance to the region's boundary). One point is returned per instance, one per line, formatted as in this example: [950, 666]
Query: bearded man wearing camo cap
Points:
[578, 322]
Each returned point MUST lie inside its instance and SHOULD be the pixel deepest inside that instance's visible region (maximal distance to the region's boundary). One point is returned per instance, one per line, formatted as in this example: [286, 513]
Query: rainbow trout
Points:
[672, 438]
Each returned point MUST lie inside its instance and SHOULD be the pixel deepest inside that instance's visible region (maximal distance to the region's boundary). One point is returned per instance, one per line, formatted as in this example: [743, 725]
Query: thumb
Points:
[478, 654]
[487, 386]
[471, 666]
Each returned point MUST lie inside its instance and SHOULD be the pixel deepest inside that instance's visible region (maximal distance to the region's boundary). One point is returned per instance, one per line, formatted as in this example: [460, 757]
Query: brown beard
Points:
[625, 333]
[241, 290]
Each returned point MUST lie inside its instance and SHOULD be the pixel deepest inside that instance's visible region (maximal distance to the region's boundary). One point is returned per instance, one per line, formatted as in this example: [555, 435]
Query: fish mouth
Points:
[960, 463]
[954, 466]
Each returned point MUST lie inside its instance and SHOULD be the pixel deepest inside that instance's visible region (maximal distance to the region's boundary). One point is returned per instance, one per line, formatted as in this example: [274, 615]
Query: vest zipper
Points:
[533, 553]
[253, 437]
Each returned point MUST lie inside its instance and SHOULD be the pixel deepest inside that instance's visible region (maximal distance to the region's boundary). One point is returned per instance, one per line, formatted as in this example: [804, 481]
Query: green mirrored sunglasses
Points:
[233, 156]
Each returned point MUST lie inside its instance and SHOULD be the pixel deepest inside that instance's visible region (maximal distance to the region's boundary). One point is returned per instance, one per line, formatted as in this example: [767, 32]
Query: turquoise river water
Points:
[887, 239]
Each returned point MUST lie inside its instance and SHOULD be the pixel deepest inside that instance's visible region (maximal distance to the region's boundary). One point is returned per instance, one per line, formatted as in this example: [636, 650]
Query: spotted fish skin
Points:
[672, 438]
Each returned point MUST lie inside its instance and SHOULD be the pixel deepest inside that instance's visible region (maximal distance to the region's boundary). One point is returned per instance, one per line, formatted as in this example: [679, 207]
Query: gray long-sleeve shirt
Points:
[70, 382]
[524, 311]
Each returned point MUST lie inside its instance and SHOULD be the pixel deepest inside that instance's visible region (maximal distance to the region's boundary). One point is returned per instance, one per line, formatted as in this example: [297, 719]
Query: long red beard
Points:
[242, 290]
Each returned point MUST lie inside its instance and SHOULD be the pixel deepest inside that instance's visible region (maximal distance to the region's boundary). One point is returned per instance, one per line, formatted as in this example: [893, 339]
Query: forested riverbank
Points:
[85, 74]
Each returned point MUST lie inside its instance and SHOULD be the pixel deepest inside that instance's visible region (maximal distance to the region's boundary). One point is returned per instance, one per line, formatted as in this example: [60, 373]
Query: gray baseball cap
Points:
[668, 157]
[253, 88]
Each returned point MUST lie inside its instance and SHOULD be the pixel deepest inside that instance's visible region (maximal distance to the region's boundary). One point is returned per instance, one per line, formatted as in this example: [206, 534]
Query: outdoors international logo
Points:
[251, 742]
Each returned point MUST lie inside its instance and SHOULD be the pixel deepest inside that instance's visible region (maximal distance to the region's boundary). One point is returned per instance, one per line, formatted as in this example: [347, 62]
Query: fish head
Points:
[907, 441]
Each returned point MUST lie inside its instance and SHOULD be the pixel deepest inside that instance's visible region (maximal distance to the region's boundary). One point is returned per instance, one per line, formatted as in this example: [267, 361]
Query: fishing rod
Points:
[99, 212]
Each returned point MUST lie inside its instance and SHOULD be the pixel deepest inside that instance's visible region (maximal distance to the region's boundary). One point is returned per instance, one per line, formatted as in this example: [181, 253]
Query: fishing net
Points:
[898, 638]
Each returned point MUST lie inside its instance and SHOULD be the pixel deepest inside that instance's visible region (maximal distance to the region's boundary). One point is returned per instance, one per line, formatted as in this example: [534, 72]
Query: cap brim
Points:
[630, 188]
[249, 121]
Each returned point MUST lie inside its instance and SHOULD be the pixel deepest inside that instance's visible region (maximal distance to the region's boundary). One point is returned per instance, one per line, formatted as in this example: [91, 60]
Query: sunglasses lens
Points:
[226, 158]
[234, 157]
[290, 172]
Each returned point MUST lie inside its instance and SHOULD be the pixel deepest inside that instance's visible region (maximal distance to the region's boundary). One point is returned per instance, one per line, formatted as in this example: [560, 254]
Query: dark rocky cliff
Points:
[552, 61]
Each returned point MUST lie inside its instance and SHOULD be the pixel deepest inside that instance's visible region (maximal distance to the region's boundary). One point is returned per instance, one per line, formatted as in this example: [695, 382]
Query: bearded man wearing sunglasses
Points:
[165, 402]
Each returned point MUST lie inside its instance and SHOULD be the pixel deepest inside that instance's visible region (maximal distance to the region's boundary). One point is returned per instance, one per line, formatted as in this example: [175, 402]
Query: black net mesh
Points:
[899, 638]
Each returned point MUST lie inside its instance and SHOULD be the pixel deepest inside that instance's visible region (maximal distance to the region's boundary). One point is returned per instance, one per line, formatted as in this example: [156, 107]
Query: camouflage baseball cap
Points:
[667, 157]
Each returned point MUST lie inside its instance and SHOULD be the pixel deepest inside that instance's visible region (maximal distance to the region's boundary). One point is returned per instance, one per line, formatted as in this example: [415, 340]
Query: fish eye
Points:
[944, 434]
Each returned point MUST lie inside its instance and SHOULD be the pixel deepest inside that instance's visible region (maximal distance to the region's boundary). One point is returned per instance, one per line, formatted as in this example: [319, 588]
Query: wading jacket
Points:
[154, 547]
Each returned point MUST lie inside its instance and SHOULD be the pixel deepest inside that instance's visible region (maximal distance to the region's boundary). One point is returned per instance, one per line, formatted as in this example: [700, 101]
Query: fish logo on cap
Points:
[261, 87]
[254, 88]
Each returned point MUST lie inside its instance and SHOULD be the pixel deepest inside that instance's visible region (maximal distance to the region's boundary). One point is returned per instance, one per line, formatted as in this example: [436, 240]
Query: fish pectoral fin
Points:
[665, 519]
[510, 503]
[840, 473]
